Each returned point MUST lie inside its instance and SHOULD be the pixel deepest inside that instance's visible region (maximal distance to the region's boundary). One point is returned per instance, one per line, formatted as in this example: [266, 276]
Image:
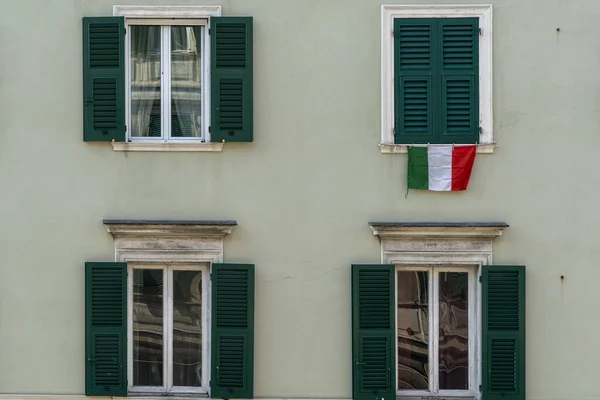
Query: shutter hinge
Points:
[125, 128]
[393, 33]
[480, 388]
[479, 278]
[125, 30]
[209, 31]
[209, 129]
[480, 32]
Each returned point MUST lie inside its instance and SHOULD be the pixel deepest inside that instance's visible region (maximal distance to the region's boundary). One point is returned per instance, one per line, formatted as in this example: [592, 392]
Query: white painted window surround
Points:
[391, 12]
[154, 15]
[447, 245]
[181, 245]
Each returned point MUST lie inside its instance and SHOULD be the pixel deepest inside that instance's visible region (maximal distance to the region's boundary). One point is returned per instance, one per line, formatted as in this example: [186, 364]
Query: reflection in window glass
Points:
[148, 327]
[187, 328]
[186, 104]
[145, 81]
[454, 331]
[413, 330]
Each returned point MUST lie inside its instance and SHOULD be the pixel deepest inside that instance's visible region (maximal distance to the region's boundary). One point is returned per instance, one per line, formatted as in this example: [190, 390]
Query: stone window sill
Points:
[403, 149]
[186, 147]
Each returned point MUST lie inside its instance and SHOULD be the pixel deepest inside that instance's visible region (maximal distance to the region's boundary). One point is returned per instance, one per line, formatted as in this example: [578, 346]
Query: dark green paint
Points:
[503, 333]
[373, 336]
[436, 80]
[232, 331]
[104, 79]
[231, 79]
[418, 168]
[105, 329]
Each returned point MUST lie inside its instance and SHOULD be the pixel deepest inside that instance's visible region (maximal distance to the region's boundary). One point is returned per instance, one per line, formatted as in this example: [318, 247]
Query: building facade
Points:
[211, 199]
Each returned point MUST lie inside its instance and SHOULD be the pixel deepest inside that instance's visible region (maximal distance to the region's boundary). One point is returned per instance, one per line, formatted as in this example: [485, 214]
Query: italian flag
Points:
[440, 167]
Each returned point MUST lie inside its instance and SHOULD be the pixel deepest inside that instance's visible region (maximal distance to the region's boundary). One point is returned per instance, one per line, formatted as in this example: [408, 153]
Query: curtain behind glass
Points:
[186, 103]
[145, 81]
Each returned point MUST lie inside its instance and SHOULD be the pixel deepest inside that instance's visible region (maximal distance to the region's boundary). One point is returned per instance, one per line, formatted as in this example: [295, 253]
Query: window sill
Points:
[431, 397]
[402, 148]
[133, 146]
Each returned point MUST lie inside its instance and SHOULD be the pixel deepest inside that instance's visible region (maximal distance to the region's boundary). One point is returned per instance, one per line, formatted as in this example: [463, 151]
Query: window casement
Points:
[168, 313]
[168, 78]
[436, 76]
[169, 318]
[436, 330]
[437, 319]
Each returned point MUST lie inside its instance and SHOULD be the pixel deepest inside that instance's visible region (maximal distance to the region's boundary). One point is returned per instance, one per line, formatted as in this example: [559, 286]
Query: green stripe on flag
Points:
[418, 168]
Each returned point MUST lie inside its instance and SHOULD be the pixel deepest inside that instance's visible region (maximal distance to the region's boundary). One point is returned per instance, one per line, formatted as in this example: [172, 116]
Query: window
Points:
[436, 320]
[167, 71]
[168, 328]
[436, 76]
[168, 78]
[168, 318]
[436, 335]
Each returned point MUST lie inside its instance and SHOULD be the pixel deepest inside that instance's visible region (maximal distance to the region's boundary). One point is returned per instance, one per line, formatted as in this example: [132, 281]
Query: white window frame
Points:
[433, 347]
[147, 243]
[166, 79]
[168, 329]
[442, 244]
[391, 12]
[167, 16]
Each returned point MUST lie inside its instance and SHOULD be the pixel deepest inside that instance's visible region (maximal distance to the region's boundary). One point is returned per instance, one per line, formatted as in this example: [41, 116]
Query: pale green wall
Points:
[304, 191]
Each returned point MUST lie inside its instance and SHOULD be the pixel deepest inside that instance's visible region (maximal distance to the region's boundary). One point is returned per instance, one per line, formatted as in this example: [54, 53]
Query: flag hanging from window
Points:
[440, 167]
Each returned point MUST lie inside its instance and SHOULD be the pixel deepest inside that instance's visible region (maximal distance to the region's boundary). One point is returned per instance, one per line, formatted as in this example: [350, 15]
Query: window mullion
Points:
[169, 327]
[435, 332]
[205, 328]
[165, 93]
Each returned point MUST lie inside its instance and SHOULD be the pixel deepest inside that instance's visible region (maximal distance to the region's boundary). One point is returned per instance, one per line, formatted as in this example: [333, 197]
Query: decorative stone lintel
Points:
[424, 230]
[437, 242]
[160, 241]
[168, 228]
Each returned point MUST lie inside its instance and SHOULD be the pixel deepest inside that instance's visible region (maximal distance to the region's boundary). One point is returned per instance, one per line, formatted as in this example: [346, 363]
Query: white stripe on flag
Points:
[439, 159]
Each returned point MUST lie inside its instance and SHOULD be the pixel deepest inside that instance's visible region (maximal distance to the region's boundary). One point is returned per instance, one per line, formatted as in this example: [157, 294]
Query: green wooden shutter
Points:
[104, 79]
[503, 335]
[459, 62]
[373, 337]
[232, 343]
[415, 80]
[105, 329]
[231, 79]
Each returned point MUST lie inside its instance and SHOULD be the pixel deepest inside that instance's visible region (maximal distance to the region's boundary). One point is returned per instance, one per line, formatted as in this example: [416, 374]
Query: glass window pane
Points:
[186, 103]
[454, 331]
[413, 330]
[145, 81]
[148, 327]
[187, 328]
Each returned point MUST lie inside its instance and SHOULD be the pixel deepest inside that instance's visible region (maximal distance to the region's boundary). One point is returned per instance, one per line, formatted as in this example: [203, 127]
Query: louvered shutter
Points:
[373, 339]
[231, 79]
[459, 38]
[104, 79]
[415, 80]
[503, 333]
[232, 344]
[106, 329]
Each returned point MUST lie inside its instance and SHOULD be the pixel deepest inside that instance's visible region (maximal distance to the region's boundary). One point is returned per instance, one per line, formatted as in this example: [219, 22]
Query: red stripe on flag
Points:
[462, 165]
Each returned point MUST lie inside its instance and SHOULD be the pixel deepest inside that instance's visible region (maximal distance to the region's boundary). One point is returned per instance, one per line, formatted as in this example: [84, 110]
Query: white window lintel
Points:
[167, 11]
[437, 243]
[391, 12]
[169, 241]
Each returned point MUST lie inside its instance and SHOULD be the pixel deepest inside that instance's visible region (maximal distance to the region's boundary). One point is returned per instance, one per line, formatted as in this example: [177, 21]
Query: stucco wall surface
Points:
[304, 191]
